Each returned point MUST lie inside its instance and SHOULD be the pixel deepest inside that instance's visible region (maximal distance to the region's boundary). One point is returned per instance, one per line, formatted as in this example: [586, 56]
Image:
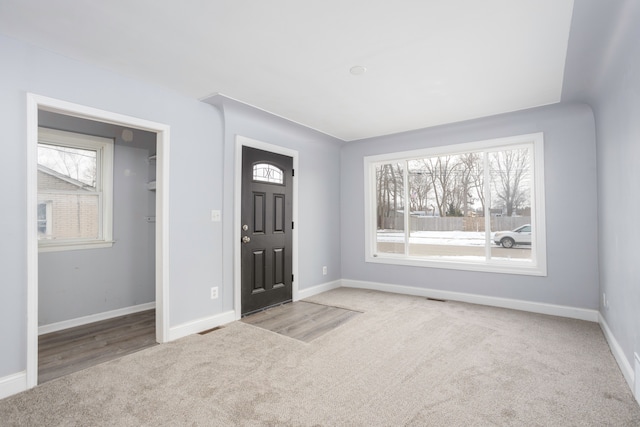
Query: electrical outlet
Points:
[324, 270]
[216, 216]
[214, 292]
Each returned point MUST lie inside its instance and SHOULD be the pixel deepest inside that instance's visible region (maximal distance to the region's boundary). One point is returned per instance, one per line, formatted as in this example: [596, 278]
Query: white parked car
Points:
[519, 236]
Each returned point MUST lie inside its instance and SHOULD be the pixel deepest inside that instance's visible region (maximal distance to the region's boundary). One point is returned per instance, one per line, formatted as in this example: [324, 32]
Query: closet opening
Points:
[98, 203]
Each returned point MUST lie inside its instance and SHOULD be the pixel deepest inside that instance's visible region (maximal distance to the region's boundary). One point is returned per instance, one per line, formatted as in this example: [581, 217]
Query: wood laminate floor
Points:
[304, 321]
[63, 352]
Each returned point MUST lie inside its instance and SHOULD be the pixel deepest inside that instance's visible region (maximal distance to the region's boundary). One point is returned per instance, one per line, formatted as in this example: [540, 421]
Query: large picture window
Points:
[74, 190]
[475, 206]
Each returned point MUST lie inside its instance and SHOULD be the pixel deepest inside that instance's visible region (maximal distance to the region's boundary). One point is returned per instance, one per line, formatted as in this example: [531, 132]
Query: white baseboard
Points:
[618, 353]
[636, 371]
[79, 321]
[534, 307]
[318, 289]
[200, 325]
[13, 384]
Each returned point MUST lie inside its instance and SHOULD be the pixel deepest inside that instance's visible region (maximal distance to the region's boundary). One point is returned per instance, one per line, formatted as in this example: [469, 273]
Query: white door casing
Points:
[241, 141]
[162, 131]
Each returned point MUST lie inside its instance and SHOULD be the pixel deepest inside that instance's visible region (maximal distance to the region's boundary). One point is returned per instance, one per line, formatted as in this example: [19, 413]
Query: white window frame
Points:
[538, 264]
[104, 187]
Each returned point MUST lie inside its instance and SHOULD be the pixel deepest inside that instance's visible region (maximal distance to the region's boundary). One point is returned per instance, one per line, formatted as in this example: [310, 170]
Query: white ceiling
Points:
[428, 62]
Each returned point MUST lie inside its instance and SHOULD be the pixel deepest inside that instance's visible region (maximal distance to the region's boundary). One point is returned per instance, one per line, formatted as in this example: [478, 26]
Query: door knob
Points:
[246, 239]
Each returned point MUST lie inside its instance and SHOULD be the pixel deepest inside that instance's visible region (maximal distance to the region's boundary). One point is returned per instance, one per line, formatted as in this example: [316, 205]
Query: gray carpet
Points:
[403, 361]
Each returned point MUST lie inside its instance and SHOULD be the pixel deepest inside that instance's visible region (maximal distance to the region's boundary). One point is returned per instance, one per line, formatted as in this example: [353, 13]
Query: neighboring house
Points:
[67, 209]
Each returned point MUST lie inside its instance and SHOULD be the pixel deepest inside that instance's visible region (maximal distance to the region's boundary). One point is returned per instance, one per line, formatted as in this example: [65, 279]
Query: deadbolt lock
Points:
[245, 227]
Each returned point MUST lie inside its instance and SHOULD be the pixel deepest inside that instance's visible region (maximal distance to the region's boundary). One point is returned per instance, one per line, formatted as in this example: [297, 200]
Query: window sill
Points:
[60, 247]
[528, 269]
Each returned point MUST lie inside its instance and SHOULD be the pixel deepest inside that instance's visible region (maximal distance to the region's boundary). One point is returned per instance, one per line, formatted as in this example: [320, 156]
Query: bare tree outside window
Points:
[78, 164]
[472, 182]
[390, 205]
[420, 187]
[459, 206]
[390, 198]
[510, 178]
[442, 173]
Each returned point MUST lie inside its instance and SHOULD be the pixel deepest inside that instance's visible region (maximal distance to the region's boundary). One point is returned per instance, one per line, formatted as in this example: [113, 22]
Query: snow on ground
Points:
[454, 238]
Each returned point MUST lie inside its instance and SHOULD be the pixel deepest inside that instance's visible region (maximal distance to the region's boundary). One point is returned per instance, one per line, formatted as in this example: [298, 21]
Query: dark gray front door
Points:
[267, 206]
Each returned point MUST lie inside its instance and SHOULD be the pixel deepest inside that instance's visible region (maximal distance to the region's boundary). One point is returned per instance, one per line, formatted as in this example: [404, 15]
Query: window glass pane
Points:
[390, 208]
[73, 216]
[73, 168]
[268, 173]
[446, 219]
[511, 190]
[67, 179]
[474, 206]
[74, 190]
[42, 219]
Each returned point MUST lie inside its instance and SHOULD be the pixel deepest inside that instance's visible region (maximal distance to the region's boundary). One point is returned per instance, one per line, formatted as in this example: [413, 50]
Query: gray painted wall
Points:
[318, 178]
[601, 70]
[74, 284]
[605, 42]
[571, 203]
[195, 188]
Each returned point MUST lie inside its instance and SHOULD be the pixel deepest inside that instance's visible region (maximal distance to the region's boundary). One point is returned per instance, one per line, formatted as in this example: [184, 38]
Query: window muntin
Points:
[75, 180]
[458, 197]
[268, 173]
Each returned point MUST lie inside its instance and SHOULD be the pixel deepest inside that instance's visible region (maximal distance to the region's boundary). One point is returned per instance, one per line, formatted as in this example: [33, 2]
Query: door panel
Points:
[278, 267]
[258, 272]
[259, 207]
[279, 215]
[267, 210]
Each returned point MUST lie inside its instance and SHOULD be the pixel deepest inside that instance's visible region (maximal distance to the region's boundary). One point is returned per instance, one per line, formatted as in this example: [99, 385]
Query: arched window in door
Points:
[268, 173]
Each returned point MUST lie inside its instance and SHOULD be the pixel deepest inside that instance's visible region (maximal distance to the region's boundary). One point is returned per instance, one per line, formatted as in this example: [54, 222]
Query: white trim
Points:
[85, 320]
[618, 353]
[104, 148]
[162, 234]
[538, 264]
[195, 326]
[67, 246]
[240, 142]
[13, 384]
[318, 289]
[533, 307]
[32, 241]
[38, 102]
[636, 373]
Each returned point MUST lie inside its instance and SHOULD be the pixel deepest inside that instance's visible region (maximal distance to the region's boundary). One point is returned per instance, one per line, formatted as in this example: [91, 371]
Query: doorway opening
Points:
[267, 228]
[275, 264]
[49, 107]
